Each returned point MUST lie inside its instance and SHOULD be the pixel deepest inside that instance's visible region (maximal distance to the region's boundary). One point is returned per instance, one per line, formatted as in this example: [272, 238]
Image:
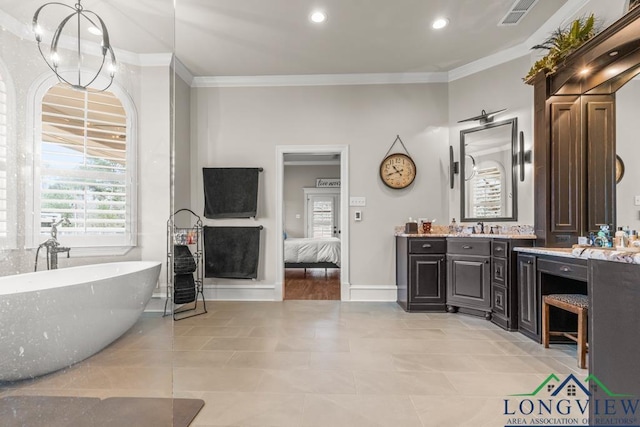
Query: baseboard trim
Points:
[234, 292]
[384, 293]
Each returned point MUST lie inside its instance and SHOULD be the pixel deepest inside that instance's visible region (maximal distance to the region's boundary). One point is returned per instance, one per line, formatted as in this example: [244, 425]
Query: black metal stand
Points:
[193, 238]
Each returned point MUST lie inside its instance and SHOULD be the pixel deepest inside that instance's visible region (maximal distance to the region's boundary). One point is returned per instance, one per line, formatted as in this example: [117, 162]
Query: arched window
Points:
[85, 168]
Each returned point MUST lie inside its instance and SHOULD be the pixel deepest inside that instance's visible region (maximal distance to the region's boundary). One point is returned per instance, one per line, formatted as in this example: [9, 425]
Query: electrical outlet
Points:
[636, 200]
[357, 201]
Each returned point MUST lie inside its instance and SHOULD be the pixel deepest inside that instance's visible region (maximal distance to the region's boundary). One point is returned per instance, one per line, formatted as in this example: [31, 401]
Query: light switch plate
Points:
[636, 200]
[357, 216]
[357, 201]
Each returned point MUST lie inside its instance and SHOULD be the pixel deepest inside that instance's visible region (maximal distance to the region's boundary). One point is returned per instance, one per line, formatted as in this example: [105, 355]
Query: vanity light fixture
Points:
[440, 23]
[523, 156]
[584, 71]
[484, 117]
[77, 78]
[318, 17]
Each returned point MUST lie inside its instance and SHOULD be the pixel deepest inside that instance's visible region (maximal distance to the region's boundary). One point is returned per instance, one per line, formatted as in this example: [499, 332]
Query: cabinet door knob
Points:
[498, 249]
[467, 247]
[426, 245]
[529, 261]
[565, 268]
[486, 262]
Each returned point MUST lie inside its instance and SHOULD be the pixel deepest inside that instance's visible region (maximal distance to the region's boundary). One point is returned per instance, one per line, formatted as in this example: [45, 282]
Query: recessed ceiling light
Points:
[94, 30]
[440, 23]
[584, 71]
[318, 17]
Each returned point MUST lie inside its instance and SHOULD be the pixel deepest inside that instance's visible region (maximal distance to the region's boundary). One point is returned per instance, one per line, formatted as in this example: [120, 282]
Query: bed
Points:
[312, 253]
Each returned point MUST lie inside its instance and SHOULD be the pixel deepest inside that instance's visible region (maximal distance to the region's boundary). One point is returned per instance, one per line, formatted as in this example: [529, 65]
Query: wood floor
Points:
[313, 286]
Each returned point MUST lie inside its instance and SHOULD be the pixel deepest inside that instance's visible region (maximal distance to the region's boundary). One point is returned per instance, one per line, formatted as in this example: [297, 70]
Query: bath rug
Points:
[59, 411]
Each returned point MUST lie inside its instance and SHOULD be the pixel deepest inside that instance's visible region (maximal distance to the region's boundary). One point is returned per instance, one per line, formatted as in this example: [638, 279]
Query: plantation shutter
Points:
[487, 193]
[83, 162]
[4, 147]
[322, 217]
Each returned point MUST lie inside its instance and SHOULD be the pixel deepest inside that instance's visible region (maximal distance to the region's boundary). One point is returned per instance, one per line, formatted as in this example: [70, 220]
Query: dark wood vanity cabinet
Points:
[504, 281]
[528, 313]
[469, 275]
[540, 275]
[421, 273]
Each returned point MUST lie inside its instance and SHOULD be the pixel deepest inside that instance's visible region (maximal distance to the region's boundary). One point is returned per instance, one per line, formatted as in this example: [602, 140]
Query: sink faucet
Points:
[53, 246]
[481, 224]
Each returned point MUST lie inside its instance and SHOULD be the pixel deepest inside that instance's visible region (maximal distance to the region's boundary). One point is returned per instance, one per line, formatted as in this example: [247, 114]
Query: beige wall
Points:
[296, 178]
[494, 89]
[628, 148]
[243, 126]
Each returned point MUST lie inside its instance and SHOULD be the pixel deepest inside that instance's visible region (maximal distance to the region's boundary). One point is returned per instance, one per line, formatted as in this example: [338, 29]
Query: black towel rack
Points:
[191, 237]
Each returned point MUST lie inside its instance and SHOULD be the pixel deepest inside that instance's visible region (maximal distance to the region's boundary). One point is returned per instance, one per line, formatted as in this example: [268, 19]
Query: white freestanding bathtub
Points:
[53, 319]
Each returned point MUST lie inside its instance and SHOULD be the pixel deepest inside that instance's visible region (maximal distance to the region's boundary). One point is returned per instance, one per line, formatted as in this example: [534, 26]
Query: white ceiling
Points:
[275, 37]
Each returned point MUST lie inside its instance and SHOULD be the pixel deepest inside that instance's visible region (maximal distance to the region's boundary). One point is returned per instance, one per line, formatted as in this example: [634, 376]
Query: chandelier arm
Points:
[106, 44]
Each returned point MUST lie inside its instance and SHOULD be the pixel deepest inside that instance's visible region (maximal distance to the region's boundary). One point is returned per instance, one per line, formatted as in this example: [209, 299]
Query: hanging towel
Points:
[230, 192]
[231, 252]
[183, 261]
[184, 289]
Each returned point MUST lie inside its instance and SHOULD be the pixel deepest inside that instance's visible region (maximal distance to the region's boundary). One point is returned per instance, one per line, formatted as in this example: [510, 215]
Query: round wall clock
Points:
[397, 171]
[619, 169]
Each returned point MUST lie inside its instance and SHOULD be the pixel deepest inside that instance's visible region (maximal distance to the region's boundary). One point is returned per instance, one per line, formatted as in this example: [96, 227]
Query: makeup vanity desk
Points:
[611, 279]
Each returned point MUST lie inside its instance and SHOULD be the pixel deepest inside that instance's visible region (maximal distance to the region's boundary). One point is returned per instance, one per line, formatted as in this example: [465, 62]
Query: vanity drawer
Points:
[477, 246]
[427, 246]
[499, 249]
[499, 271]
[569, 269]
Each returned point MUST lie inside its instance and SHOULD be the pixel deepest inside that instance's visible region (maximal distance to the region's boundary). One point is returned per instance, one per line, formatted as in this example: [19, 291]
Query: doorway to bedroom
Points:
[312, 214]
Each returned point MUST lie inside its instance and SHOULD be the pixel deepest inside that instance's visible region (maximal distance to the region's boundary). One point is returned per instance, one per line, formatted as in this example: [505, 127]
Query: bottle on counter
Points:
[453, 227]
[620, 239]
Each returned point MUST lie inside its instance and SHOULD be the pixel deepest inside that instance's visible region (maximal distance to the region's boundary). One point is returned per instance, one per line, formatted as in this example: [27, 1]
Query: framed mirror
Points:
[488, 170]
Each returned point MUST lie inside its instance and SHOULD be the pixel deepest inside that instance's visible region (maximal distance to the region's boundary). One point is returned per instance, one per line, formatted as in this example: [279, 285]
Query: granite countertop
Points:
[474, 236]
[615, 255]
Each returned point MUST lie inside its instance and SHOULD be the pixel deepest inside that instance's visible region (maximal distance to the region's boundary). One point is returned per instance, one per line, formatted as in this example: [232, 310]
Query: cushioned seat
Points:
[574, 303]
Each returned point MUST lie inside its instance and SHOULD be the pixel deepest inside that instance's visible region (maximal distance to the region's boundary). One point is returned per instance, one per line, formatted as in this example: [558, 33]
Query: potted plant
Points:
[561, 43]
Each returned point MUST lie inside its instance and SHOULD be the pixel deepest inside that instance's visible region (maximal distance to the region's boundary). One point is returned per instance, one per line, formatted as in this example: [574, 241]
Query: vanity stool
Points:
[574, 303]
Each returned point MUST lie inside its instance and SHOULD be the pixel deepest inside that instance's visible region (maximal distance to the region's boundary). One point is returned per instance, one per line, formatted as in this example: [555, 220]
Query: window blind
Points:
[83, 162]
[322, 218]
[487, 193]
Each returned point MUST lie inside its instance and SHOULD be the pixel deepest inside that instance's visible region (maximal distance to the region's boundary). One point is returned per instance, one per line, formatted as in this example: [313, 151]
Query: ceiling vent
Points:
[518, 10]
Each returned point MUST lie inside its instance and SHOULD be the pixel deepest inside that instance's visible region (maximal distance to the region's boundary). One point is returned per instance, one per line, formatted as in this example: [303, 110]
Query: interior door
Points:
[323, 215]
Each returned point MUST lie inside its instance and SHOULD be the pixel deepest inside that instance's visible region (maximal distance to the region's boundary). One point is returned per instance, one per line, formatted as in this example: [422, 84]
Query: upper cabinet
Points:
[575, 135]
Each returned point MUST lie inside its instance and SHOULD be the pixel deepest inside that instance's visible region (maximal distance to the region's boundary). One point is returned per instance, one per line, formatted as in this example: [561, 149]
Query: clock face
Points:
[397, 170]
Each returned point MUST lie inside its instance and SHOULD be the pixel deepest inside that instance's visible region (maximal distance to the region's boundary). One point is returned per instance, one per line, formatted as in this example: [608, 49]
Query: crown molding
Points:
[182, 71]
[320, 79]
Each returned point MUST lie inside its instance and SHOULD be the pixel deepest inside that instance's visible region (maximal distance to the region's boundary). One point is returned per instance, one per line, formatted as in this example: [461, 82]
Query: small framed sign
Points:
[328, 183]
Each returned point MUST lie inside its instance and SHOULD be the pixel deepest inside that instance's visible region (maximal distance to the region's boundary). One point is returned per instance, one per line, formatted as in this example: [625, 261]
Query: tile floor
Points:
[317, 363]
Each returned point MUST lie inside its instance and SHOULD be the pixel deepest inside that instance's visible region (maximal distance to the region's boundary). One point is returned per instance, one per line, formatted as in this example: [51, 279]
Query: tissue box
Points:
[411, 228]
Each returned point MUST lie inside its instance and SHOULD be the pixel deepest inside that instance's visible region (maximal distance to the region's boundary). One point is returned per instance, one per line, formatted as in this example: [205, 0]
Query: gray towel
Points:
[230, 192]
[231, 252]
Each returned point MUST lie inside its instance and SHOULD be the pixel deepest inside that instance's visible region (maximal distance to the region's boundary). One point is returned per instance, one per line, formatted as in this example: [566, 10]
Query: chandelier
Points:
[69, 64]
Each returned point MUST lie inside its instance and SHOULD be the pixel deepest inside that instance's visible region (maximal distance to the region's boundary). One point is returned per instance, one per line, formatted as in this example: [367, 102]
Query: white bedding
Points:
[297, 250]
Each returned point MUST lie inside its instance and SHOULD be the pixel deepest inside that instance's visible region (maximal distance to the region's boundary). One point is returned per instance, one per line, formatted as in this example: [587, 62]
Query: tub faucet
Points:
[53, 246]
